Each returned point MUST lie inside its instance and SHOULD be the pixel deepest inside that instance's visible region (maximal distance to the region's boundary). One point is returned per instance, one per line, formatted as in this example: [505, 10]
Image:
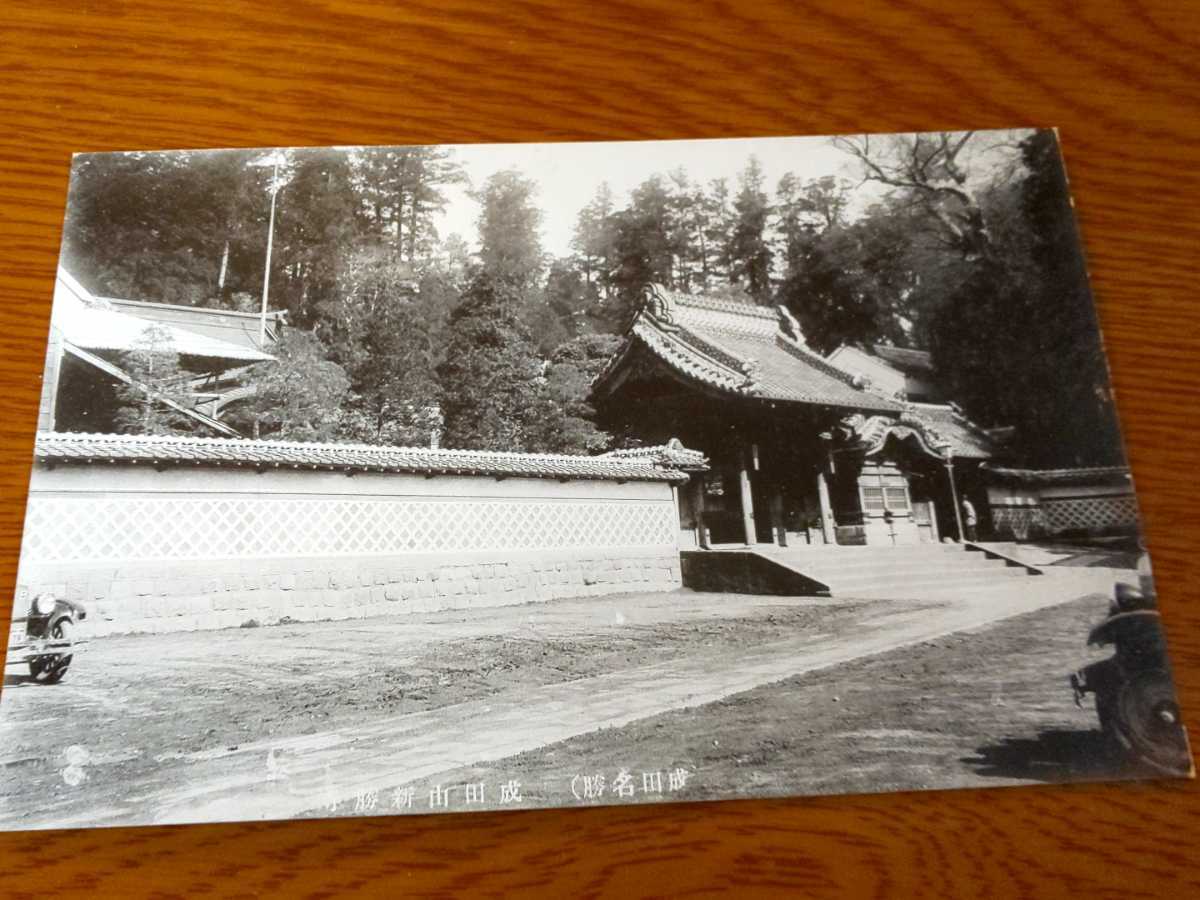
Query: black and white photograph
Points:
[393, 480]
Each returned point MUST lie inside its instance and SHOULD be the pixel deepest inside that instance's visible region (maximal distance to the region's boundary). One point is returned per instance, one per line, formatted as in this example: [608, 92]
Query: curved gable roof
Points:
[742, 349]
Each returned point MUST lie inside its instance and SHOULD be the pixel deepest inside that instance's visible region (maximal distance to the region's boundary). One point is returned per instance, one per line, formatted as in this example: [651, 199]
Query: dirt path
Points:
[287, 776]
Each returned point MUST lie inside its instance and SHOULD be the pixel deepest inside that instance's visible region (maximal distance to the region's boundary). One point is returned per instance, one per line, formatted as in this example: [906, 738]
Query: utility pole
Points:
[274, 161]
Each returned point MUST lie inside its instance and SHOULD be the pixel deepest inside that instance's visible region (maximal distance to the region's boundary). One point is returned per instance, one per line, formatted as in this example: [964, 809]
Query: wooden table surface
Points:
[1120, 80]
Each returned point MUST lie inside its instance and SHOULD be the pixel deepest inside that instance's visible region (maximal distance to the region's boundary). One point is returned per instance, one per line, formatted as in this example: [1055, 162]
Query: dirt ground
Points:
[137, 701]
[992, 707]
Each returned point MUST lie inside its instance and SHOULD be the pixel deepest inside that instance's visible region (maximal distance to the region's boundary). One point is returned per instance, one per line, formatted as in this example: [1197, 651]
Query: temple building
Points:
[803, 449]
[91, 337]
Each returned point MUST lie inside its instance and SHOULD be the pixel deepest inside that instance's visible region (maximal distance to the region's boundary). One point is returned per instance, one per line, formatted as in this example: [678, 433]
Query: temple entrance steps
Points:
[900, 572]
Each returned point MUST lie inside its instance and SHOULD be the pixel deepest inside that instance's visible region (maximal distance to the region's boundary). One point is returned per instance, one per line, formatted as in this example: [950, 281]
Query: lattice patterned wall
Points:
[119, 528]
[1020, 522]
[1089, 513]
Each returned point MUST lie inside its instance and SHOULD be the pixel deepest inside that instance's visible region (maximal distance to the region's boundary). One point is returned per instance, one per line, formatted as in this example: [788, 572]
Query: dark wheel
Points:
[51, 669]
[1147, 717]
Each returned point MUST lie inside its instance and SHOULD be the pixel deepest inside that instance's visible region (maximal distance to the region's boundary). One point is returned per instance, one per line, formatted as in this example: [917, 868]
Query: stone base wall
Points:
[186, 596]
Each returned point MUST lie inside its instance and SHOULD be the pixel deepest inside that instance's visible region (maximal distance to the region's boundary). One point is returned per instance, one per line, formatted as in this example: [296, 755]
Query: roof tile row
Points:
[53, 447]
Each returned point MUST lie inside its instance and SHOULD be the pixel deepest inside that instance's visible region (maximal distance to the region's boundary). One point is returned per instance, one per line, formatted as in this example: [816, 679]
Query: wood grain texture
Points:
[1120, 80]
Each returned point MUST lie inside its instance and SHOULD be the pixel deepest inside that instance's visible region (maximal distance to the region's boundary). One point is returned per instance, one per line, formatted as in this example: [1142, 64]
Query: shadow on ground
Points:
[1052, 756]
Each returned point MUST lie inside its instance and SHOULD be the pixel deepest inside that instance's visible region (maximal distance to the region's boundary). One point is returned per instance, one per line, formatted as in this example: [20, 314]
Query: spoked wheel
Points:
[51, 669]
[1148, 721]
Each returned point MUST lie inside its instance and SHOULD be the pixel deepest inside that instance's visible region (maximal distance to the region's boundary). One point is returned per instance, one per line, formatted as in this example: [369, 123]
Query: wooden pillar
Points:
[954, 498]
[747, 498]
[698, 510]
[777, 525]
[827, 526]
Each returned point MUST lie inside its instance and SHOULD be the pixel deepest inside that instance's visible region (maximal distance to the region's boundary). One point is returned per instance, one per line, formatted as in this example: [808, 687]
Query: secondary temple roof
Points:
[1088, 475]
[966, 440]
[650, 464]
[915, 362]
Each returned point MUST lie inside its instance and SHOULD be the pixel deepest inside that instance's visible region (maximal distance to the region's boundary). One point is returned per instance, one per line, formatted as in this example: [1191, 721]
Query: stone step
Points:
[1007, 588]
[873, 550]
[911, 587]
[901, 572]
[859, 574]
[900, 566]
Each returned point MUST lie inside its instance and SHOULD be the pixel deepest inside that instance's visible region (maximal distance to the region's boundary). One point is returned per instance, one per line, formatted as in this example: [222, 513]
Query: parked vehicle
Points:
[1135, 696]
[50, 637]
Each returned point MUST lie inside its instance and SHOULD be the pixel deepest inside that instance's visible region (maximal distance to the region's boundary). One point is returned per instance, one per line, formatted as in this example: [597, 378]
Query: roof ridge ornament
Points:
[789, 325]
[658, 301]
[750, 369]
[868, 434]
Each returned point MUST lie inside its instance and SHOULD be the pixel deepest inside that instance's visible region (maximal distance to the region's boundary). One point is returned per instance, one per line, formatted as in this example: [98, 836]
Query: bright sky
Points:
[569, 174]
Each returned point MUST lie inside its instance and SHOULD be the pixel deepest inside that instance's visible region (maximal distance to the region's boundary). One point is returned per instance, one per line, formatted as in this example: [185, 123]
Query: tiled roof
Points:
[53, 447]
[751, 351]
[904, 359]
[672, 454]
[103, 329]
[93, 323]
[967, 440]
[1093, 475]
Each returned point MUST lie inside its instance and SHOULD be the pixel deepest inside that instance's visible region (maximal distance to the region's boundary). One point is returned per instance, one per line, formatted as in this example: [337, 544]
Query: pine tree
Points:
[491, 376]
[594, 242]
[149, 403]
[719, 226]
[402, 189]
[749, 252]
[510, 248]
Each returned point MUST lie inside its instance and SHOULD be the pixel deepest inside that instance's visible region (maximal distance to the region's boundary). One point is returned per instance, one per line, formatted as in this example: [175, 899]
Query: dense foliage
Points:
[490, 373]
[949, 243]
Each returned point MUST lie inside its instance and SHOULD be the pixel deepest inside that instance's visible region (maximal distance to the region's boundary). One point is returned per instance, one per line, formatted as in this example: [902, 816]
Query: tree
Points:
[930, 171]
[1023, 317]
[846, 282]
[491, 375]
[804, 207]
[832, 297]
[402, 189]
[594, 243]
[379, 335]
[510, 248]
[154, 225]
[645, 247]
[559, 312]
[317, 227]
[720, 221]
[565, 420]
[749, 252]
[442, 278]
[149, 403]
[297, 397]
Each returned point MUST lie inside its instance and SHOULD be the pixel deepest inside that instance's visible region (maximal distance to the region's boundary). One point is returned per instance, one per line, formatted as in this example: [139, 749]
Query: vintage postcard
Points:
[397, 480]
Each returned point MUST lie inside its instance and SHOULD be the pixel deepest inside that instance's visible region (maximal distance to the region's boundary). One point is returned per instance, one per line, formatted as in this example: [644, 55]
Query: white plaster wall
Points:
[190, 548]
